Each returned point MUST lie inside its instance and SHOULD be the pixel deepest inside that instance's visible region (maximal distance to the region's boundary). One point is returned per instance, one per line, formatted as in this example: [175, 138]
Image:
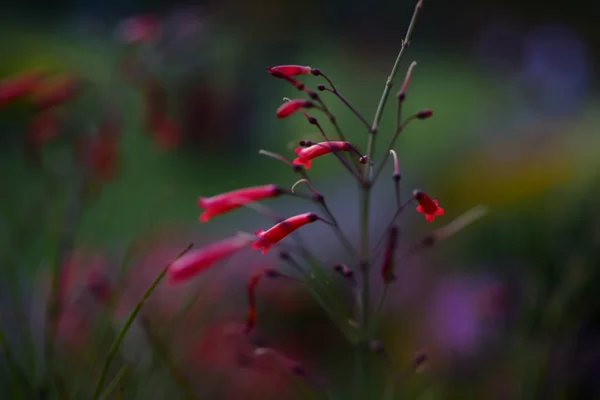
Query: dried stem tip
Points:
[396, 174]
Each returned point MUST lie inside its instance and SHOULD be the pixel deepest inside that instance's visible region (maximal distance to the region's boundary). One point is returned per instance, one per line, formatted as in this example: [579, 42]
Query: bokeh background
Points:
[507, 309]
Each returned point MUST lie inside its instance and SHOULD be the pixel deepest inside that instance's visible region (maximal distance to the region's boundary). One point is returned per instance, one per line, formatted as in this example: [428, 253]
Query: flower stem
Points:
[11, 366]
[388, 87]
[117, 342]
[363, 295]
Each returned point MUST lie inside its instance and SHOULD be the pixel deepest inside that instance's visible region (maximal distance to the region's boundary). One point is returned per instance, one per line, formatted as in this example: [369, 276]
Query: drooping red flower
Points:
[306, 154]
[279, 231]
[427, 206]
[289, 70]
[251, 293]
[198, 260]
[225, 202]
[17, 86]
[290, 107]
[54, 91]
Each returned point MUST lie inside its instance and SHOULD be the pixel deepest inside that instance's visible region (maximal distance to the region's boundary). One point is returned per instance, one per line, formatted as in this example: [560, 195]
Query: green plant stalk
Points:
[12, 368]
[66, 237]
[162, 350]
[113, 384]
[363, 294]
[386, 90]
[117, 342]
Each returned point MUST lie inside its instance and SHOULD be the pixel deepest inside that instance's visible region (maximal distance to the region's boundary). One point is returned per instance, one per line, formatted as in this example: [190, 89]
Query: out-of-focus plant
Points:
[114, 366]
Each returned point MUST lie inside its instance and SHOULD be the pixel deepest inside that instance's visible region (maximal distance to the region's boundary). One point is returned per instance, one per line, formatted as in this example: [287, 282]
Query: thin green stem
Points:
[387, 89]
[363, 295]
[68, 225]
[117, 342]
[321, 200]
[161, 348]
[399, 130]
[379, 309]
[340, 157]
[115, 381]
[12, 368]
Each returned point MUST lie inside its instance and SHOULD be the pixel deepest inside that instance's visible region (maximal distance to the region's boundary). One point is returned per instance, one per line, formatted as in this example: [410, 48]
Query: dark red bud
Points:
[312, 94]
[424, 114]
[316, 72]
[321, 87]
[312, 120]
[362, 159]
[271, 273]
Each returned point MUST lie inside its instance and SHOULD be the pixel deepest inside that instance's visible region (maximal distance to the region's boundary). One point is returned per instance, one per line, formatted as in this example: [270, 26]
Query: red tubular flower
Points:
[251, 292]
[17, 86]
[279, 231]
[225, 202]
[306, 154]
[197, 261]
[427, 206]
[289, 70]
[55, 91]
[290, 107]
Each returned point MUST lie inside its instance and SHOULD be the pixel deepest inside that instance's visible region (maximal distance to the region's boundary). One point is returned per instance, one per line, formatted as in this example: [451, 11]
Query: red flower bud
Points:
[290, 107]
[279, 231]
[55, 91]
[225, 202]
[197, 261]
[424, 114]
[17, 86]
[289, 70]
[306, 154]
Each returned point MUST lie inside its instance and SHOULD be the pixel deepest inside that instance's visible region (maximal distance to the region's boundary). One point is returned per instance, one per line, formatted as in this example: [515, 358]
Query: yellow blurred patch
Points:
[511, 170]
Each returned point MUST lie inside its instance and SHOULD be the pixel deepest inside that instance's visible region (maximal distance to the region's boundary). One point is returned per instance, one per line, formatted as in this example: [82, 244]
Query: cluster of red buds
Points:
[47, 96]
[359, 328]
